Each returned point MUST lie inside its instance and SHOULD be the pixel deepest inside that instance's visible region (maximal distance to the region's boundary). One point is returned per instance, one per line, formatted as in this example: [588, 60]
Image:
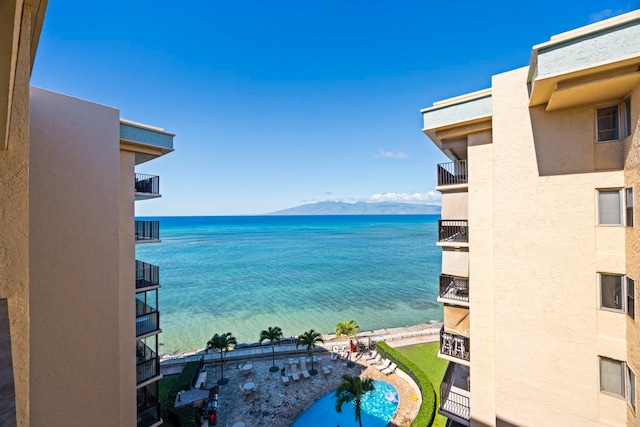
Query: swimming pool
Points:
[378, 408]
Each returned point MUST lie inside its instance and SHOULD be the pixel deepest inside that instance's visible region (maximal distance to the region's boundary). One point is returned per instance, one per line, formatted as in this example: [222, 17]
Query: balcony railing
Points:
[148, 363]
[147, 184]
[147, 230]
[452, 173]
[147, 275]
[454, 401]
[454, 345]
[453, 230]
[147, 318]
[454, 287]
[149, 416]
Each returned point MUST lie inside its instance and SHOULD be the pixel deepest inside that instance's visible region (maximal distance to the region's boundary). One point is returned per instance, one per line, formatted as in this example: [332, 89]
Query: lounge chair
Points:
[294, 373]
[303, 368]
[326, 370]
[384, 365]
[371, 356]
[375, 360]
[285, 378]
[334, 353]
[390, 369]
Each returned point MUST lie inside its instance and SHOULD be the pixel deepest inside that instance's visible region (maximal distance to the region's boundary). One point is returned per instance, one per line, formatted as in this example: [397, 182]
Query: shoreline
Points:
[401, 334]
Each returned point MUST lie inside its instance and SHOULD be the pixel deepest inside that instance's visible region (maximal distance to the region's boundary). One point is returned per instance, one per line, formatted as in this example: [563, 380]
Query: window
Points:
[629, 204]
[611, 292]
[612, 376]
[607, 124]
[627, 117]
[631, 298]
[631, 388]
[609, 207]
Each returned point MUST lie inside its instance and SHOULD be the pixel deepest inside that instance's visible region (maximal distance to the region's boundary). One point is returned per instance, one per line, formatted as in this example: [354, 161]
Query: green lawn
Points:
[163, 389]
[426, 357]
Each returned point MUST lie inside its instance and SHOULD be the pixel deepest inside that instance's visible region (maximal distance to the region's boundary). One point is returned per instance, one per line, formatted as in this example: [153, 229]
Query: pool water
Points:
[378, 408]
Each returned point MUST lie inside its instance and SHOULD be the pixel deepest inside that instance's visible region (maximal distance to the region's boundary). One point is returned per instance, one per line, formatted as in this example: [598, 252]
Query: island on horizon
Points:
[360, 208]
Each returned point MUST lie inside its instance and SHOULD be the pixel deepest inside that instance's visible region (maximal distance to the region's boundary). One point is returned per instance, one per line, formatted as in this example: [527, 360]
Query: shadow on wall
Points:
[564, 142]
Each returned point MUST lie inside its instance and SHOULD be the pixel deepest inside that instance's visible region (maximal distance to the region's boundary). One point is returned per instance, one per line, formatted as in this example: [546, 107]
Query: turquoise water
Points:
[244, 274]
[377, 410]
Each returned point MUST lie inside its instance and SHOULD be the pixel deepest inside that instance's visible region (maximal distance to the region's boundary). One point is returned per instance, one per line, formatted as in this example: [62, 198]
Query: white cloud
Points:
[431, 197]
[605, 13]
[391, 154]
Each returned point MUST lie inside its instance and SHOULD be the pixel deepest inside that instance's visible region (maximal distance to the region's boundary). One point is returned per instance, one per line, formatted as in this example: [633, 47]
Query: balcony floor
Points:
[457, 401]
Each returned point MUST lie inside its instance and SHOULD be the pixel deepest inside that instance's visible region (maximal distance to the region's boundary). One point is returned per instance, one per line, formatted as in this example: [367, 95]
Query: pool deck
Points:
[273, 403]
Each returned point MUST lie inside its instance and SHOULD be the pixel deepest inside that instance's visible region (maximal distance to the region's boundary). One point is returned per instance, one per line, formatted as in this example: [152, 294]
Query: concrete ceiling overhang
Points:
[606, 83]
[16, 16]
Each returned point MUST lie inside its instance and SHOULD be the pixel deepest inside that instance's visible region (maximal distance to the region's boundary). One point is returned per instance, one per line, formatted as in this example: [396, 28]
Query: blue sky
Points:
[280, 103]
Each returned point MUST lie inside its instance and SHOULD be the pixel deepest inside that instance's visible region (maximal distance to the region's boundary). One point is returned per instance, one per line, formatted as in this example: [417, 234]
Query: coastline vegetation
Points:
[309, 339]
[414, 364]
[425, 357]
[272, 334]
[221, 343]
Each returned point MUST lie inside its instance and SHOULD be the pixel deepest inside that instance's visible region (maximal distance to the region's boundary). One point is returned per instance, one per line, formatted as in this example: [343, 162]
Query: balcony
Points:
[454, 289]
[149, 416]
[455, 346]
[148, 363]
[147, 186]
[454, 394]
[147, 231]
[147, 319]
[147, 275]
[453, 232]
[452, 173]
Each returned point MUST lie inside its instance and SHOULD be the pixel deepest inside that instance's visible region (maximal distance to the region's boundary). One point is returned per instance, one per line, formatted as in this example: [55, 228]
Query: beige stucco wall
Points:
[14, 225]
[481, 279]
[455, 205]
[127, 289]
[74, 260]
[547, 251]
[455, 261]
[632, 247]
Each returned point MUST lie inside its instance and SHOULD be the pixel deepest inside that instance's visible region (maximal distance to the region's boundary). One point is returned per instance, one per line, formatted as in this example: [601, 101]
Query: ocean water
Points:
[244, 274]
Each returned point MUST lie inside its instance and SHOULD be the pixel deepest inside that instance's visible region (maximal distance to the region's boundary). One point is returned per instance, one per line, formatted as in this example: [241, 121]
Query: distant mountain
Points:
[360, 208]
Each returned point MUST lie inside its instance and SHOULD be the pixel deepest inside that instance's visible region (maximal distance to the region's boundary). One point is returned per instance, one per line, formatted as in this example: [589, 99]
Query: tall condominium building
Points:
[540, 246]
[78, 314]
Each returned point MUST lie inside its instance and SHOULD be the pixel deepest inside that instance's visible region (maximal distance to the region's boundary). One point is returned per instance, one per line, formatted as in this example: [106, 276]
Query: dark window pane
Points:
[631, 298]
[611, 291]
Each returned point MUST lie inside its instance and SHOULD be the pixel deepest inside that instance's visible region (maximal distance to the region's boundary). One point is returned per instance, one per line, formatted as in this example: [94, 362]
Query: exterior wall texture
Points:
[632, 246]
[542, 203]
[14, 225]
[74, 247]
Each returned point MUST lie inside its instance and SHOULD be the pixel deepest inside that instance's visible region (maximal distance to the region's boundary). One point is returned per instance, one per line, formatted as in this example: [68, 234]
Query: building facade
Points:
[540, 246]
[74, 302]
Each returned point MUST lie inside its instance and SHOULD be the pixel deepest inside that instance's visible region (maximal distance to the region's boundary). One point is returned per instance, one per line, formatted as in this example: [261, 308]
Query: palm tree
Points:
[271, 335]
[310, 339]
[222, 343]
[347, 328]
[353, 389]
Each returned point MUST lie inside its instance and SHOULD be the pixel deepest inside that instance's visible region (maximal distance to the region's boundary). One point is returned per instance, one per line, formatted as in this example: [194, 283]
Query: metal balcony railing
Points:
[453, 230]
[454, 287]
[147, 230]
[147, 368]
[454, 345]
[147, 318]
[147, 275]
[452, 173]
[147, 184]
[453, 403]
[149, 416]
